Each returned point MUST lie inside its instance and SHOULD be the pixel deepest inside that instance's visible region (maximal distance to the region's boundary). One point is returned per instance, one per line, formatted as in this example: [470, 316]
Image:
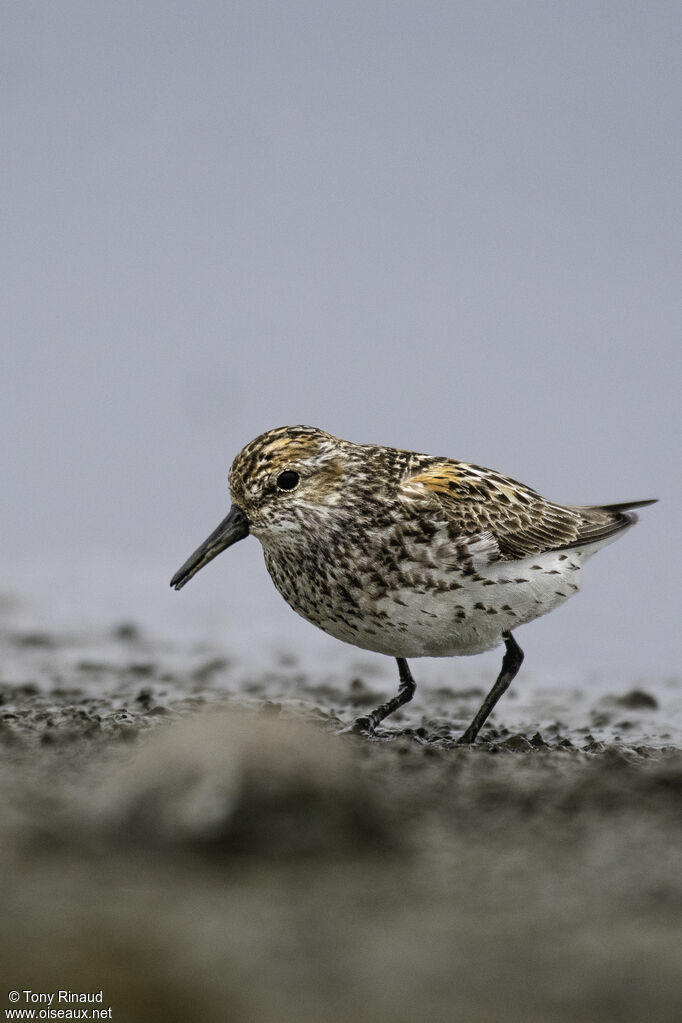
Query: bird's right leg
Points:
[511, 662]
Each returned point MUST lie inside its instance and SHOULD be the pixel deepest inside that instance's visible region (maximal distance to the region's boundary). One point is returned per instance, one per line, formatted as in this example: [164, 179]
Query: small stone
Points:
[126, 632]
[141, 668]
[203, 673]
[35, 639]
[637, 699]
[516, 744]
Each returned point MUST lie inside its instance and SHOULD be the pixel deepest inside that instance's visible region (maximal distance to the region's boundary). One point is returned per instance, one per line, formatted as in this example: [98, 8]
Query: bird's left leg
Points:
[511, 662]
[406, 691]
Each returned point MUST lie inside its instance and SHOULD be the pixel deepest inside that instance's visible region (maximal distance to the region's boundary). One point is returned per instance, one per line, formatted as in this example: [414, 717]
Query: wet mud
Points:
[204, 843]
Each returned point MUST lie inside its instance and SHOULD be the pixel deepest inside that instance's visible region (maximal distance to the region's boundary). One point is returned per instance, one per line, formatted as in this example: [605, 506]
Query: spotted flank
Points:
[406, 554]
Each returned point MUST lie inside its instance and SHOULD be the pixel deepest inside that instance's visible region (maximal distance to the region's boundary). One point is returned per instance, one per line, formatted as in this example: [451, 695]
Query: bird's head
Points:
[283, 482]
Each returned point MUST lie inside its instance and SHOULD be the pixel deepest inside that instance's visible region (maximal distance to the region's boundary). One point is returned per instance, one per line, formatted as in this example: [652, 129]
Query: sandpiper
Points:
[407, 554]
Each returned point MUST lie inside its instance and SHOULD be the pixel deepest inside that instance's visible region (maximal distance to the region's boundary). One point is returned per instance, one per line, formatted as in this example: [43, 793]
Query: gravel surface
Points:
[197, 840]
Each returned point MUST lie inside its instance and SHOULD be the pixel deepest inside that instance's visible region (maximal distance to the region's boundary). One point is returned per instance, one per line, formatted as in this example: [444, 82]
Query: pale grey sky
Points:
[452, 227]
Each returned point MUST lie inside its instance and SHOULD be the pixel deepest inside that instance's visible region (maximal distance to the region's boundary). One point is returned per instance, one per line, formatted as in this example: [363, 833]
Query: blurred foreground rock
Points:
[246, 784]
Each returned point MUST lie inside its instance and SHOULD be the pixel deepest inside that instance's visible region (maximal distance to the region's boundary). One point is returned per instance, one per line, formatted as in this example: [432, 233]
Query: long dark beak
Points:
[234, 527]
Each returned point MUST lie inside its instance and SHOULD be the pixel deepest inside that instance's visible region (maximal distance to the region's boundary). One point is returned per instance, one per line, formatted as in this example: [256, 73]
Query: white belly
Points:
[433, 622]
[438, 605]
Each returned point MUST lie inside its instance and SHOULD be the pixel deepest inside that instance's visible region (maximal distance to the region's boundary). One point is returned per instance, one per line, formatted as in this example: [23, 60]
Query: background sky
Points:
[450, 227]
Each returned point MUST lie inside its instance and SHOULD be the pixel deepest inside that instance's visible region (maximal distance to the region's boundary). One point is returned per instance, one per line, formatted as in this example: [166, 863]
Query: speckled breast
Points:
[414, 607]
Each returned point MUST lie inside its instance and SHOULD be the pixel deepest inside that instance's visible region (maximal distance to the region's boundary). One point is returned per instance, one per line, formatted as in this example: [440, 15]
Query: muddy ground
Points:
[201, 844]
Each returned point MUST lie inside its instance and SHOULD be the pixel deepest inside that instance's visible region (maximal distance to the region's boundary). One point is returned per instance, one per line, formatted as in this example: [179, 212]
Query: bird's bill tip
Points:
[233, 528]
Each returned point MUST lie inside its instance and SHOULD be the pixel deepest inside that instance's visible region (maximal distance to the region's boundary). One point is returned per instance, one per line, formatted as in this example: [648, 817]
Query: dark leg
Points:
[511, 662]
[405, 693]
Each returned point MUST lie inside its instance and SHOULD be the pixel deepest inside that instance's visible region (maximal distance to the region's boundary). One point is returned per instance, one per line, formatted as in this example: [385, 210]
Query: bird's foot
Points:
[468, 738]
[362, 726]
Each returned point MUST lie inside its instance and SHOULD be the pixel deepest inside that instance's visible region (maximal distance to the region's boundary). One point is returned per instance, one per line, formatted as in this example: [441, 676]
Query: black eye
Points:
[288, 479]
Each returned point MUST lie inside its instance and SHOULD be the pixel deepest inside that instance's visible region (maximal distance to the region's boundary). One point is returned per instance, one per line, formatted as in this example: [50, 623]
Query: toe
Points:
[361, 726]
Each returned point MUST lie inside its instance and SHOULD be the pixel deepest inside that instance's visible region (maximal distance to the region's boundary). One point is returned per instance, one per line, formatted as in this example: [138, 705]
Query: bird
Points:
[406, 554]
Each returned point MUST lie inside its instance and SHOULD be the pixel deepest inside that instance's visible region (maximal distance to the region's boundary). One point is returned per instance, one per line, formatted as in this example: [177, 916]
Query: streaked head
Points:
[284, 473]
[279, 481]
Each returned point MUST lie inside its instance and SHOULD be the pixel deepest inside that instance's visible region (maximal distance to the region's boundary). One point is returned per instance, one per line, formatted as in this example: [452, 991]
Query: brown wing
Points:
[599, 522]
[475, 500]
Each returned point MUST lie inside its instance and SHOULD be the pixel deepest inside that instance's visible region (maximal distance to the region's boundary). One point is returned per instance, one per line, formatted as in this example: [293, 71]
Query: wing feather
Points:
[475, 500]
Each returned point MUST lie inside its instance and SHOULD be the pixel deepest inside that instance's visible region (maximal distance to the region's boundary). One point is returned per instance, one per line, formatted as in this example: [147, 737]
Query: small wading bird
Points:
[406, 554]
